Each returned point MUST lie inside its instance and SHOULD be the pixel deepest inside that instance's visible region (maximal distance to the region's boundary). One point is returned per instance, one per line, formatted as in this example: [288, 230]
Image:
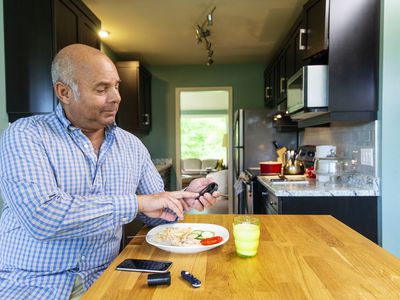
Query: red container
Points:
[270, 167]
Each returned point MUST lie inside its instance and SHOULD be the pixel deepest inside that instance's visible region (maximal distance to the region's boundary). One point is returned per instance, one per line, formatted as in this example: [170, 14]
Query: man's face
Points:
[99, 99]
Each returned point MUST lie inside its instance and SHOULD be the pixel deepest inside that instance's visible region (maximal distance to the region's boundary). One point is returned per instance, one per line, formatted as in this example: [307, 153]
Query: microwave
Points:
[307, 92]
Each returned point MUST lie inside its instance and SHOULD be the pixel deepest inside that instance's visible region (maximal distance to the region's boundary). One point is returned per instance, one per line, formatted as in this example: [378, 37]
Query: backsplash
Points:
[349, 140]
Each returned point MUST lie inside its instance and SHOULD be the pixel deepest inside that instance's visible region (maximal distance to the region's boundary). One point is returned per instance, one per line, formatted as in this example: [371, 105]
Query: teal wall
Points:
[246, 82]
[3, 115]
[389, 116]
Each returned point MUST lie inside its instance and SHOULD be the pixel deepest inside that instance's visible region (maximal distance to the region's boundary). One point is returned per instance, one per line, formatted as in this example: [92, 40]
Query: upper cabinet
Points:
[34, 31]
[345, 36]
[313, 34]
[134, 114]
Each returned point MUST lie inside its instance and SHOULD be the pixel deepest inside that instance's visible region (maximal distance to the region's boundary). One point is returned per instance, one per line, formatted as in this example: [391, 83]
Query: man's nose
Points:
[114, 95]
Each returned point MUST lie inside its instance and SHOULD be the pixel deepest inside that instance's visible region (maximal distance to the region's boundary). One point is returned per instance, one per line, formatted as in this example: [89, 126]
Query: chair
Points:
[209, 164]
[191, 166]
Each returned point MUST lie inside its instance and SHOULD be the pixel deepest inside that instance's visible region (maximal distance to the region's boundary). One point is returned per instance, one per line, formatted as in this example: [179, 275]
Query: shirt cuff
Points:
[125, 209]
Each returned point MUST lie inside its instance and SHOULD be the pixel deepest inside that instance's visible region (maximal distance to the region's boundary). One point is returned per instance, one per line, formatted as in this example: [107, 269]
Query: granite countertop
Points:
[348, 187]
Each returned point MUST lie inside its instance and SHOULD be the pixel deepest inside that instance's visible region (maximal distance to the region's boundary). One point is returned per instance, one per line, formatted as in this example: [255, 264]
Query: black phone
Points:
[144, 265]
[211, 188]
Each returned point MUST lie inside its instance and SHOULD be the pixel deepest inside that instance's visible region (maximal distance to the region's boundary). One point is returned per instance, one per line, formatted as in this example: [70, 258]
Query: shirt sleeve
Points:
[29, 188]
[150, 183]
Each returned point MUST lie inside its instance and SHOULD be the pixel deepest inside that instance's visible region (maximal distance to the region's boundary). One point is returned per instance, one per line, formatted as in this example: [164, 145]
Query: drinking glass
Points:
[246, 231]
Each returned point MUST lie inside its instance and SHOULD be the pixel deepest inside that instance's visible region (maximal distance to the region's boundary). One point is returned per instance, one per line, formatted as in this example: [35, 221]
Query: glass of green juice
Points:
[246, 231]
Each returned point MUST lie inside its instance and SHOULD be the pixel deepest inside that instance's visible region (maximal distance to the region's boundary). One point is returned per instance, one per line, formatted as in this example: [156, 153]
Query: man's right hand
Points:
[154, 205]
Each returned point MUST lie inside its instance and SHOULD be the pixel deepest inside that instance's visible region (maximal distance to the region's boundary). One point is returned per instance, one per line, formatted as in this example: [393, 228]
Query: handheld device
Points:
[211, 188]
[144, 265]
[191, 279]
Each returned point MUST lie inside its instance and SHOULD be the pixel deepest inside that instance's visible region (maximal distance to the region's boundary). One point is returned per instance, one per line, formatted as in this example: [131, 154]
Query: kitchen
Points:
[249, 93]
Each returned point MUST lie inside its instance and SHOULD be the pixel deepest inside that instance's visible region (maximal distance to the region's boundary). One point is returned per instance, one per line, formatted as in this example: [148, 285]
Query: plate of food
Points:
[187, 237]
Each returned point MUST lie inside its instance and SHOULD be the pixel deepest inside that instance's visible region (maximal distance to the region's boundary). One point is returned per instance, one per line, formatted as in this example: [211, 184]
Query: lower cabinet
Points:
[359, 213]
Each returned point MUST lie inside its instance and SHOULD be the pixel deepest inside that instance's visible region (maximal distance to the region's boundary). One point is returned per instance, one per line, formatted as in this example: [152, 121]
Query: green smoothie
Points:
[246, 236]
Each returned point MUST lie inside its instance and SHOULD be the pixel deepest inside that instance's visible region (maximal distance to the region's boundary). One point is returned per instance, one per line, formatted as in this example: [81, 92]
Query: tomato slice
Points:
[212, 240]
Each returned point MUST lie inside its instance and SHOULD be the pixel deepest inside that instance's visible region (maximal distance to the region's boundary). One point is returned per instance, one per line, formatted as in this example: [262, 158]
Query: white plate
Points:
[219, 230]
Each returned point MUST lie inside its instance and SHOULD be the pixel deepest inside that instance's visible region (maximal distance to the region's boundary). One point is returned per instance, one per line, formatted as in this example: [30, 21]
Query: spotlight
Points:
[103, 34]
[202, 34]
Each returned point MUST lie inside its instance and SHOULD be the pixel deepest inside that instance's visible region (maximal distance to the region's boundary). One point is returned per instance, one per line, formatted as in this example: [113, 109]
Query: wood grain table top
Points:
[299, 257]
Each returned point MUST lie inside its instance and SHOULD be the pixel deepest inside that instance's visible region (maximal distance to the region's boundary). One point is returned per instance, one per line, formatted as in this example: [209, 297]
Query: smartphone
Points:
[211, 188]
[144, 265]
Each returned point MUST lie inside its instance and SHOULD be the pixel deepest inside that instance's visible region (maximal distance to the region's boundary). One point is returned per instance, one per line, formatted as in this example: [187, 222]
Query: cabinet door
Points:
[65, 23]
[360, 213]
[294, 59]
[281, 78]
[316, 17]
[269, 86]
[128, 89]
[144, 99]
[134, 113]
[73, 26]
[28, 52]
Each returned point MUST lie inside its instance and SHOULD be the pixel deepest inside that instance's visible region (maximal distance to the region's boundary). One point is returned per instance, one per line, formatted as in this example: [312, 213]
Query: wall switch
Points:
[367, 157]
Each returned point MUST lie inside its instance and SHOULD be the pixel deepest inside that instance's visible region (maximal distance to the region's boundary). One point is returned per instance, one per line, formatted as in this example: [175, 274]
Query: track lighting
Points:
[202, 33]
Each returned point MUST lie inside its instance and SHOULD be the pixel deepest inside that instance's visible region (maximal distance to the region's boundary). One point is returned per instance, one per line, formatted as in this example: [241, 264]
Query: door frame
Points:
[178, 92]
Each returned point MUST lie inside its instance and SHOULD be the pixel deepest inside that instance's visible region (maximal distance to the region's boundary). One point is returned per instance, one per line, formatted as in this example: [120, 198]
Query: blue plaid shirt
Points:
[64, 206]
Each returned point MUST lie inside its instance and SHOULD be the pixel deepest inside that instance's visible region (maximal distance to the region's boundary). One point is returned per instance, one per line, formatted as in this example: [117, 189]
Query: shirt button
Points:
[86, 146]
[83, 257]
[124, 219]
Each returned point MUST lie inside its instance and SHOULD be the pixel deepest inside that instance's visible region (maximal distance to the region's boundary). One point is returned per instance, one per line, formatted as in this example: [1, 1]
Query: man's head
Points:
[86, 82]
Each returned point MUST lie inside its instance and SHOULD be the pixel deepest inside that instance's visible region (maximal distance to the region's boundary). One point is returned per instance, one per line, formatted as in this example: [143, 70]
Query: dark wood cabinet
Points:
[349, 43]
[313, 33]
[359, 213]
[269, 86]
[34, 31]
[135, 109]
[281, 77]
[354, 59]
[74, 23]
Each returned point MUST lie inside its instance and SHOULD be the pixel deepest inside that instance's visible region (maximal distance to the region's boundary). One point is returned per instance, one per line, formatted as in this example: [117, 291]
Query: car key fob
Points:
[192, 280]
[211, 188]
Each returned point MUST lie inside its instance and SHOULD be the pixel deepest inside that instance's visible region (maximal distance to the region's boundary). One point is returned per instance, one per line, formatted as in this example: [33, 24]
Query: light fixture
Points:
[202, 33]
[103, 34]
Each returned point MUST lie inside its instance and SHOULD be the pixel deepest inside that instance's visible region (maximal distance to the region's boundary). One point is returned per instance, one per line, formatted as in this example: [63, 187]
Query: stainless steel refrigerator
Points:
[253, 136]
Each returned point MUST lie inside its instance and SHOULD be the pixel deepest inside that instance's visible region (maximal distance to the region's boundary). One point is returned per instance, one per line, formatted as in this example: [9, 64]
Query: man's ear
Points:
[63, 92]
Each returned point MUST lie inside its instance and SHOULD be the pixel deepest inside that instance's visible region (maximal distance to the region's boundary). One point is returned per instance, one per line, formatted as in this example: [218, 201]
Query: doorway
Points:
[203, 135]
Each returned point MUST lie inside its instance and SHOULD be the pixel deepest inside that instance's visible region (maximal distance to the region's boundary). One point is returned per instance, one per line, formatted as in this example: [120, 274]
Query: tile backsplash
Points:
[349, 140]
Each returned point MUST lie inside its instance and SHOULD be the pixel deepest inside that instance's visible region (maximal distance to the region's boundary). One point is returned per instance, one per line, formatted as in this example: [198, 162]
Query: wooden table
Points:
[299, 257]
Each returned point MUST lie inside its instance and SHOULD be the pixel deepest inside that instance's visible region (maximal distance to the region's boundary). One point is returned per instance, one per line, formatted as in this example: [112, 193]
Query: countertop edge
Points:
[316, 189]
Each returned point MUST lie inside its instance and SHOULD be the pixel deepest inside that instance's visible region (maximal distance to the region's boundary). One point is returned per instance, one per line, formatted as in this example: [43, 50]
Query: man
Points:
[71, 179]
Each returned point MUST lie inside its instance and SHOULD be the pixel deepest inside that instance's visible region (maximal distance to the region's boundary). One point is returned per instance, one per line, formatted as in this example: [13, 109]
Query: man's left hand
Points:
[205, 201]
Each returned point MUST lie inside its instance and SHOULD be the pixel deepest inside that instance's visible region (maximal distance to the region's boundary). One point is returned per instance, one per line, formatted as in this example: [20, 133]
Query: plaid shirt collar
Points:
[67, 124]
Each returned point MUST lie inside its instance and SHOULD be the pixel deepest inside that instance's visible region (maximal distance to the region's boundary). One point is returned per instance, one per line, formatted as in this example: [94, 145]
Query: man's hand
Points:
[166, 205]
[205, 201]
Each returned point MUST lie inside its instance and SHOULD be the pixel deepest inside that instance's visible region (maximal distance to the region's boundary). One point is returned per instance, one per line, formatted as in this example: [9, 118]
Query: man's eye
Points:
[100, 91]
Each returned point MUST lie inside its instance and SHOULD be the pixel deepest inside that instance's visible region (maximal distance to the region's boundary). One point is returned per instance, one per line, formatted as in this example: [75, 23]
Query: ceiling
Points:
[161, 32]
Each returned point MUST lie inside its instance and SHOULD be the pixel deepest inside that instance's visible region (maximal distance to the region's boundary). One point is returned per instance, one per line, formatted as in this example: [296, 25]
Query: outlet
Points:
[367, 157]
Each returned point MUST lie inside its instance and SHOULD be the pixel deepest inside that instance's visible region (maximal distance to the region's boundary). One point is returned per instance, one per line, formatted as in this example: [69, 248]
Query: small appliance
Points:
[307, 92]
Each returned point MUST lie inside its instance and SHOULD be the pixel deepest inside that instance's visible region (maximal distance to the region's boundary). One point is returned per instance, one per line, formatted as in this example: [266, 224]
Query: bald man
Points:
[71, 179]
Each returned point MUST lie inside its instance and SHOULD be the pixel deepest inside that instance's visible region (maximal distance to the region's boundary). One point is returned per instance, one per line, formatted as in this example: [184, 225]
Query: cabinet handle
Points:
[301, 46]
[264, 194]
[267, 94]
[147, 121]
[281, 85]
